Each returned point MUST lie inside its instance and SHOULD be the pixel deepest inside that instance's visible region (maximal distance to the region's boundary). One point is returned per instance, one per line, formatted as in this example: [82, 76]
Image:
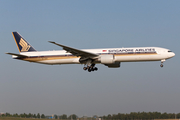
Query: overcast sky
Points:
[67, 89]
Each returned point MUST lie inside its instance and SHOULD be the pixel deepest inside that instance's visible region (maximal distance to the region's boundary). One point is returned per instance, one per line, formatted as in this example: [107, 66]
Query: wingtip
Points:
[8, 53]
[51, 41]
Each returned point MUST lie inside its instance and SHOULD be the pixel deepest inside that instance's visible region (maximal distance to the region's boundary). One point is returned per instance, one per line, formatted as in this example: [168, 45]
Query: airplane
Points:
[110, 57]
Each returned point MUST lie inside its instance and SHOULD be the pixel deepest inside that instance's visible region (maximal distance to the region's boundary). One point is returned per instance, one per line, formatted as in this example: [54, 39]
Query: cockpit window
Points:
[169, 51]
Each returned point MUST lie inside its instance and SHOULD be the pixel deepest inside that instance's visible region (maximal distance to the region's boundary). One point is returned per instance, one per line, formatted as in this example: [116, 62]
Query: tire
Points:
[95, 68]
[84, 68]
[89, 70]
[161, 65]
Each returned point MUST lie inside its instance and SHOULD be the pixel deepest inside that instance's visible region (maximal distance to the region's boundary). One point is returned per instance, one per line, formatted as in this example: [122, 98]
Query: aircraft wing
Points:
[76, 52]
[18, 55]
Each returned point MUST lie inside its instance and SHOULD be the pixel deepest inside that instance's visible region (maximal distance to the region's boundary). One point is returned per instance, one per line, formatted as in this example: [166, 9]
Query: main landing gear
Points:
[90, 68]
[162, 63]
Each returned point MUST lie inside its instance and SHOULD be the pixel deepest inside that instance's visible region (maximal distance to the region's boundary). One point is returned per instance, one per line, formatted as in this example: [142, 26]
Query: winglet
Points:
[22, 44]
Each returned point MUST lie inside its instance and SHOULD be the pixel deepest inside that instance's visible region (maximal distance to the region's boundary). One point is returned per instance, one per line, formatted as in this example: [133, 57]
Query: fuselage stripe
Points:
[70, 56]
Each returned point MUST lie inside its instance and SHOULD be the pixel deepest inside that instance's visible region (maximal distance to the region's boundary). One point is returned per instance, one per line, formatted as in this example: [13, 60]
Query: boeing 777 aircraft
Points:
[111, 57]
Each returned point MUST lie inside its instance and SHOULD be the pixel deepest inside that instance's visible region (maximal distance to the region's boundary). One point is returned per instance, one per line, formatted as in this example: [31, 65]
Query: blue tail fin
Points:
[22, 44]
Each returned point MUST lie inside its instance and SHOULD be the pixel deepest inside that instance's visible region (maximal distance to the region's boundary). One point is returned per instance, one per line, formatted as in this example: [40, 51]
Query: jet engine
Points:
[109, 61]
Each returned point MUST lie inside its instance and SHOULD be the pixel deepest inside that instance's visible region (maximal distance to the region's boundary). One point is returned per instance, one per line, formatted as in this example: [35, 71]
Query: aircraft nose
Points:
[173, 54]
[170, 54]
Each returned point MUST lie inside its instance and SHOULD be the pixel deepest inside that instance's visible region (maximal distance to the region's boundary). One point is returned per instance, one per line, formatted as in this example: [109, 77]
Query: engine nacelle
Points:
[107, 59]
[114, 65]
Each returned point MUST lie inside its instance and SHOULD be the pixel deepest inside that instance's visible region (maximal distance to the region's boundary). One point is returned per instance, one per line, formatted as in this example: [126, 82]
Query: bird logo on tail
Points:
[24, 45]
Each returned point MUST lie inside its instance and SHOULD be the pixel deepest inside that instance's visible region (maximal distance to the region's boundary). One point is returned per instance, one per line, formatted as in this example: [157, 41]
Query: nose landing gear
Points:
[162, 63]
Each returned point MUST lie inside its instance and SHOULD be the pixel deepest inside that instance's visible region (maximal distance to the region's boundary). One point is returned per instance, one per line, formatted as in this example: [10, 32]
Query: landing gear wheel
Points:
[95, 68]
[84, 68]
[90, 66]
[89, 70]
[161, 65]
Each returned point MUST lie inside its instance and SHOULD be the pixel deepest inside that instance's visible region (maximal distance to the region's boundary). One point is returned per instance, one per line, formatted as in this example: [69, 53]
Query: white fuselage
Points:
[119, 55]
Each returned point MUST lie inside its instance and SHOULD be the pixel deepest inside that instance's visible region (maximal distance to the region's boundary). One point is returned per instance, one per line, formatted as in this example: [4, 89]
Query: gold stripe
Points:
[16, 42]
[47, 58]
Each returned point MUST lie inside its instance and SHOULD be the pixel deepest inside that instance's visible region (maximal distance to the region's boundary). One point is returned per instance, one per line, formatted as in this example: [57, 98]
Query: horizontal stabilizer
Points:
[18, 55]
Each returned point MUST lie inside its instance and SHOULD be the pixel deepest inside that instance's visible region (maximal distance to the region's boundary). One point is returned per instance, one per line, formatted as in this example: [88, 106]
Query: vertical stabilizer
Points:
[22, 44]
